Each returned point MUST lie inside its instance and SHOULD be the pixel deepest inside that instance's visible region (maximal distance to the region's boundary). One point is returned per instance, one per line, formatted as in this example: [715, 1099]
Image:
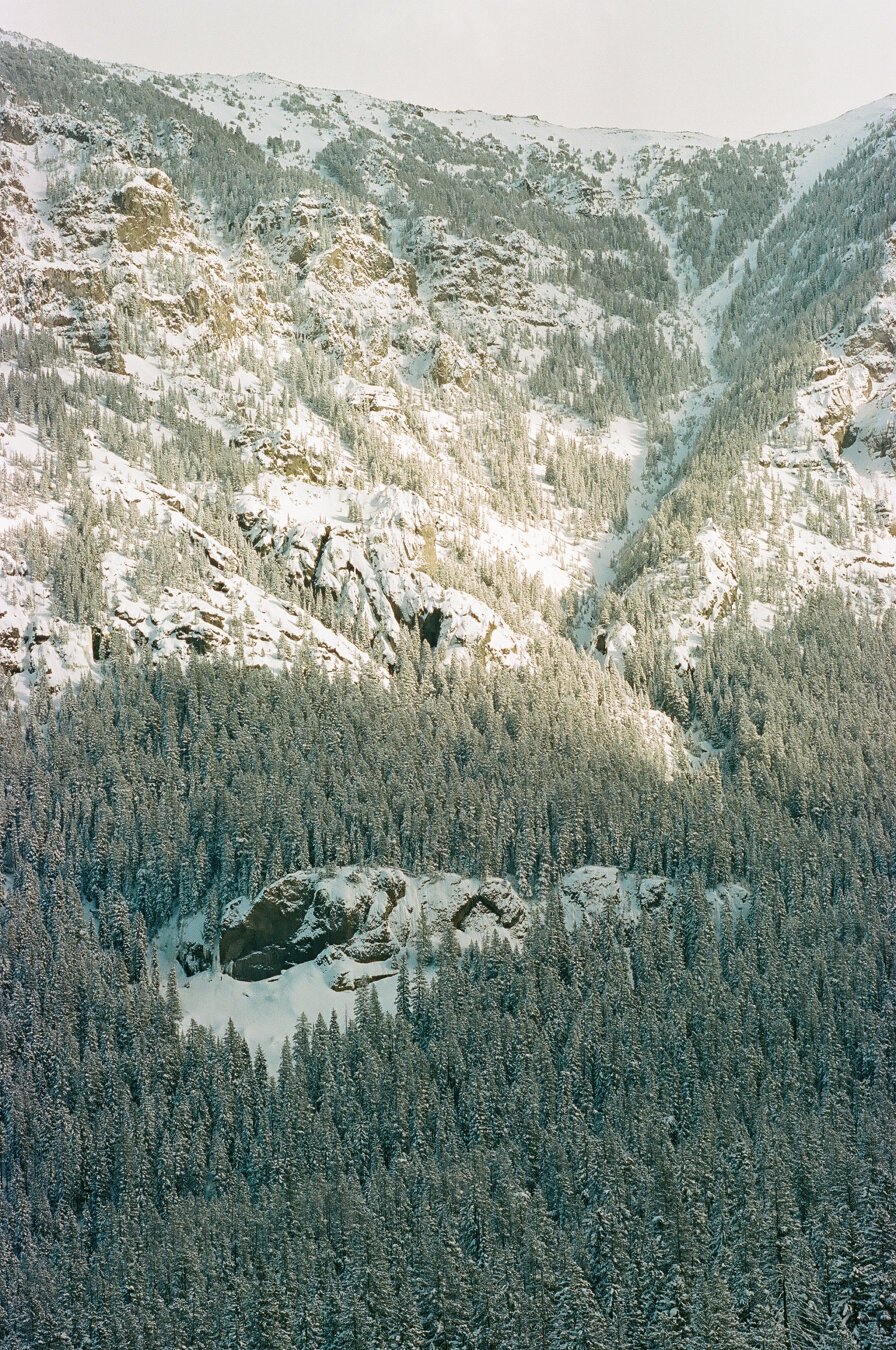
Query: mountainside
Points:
[448, 660]
[292, 374]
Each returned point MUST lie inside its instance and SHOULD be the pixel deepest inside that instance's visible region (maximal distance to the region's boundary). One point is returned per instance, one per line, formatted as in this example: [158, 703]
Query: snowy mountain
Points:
[294, 374]
[448, 660]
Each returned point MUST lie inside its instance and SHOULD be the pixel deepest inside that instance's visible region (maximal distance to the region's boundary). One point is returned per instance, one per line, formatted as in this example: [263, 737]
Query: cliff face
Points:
[332, 372]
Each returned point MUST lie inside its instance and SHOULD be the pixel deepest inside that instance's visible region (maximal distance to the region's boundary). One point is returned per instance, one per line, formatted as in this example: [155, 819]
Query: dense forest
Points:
[677, 1132]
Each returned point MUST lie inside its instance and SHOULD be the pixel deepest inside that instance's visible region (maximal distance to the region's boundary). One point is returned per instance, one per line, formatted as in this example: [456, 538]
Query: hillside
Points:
[447, 634]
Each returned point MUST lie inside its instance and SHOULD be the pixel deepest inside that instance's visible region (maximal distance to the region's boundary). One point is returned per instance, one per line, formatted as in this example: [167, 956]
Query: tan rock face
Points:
[205, 304]
[874, 345]
[148, 208]
[357, 260]
[479, 272]
[450, 364]
[98, 246]
[75, 283]
[84, 218]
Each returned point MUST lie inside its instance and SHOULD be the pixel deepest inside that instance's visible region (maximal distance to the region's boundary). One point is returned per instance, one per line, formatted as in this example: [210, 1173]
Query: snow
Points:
[627, 440]
[266, 1011]
[379, 546]
[321, 115]
[762, 616]
[825, 145]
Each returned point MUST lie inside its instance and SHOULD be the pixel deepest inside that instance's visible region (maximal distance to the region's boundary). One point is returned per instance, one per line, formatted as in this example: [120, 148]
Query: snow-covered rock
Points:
[374, 567]
[354, 915]
[310, 939]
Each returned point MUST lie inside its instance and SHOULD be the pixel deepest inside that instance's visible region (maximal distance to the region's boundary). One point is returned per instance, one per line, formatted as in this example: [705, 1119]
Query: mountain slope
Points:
[295, 374]
[446, 587]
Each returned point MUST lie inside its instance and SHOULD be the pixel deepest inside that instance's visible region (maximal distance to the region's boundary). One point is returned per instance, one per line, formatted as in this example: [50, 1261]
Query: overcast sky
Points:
[731, 67]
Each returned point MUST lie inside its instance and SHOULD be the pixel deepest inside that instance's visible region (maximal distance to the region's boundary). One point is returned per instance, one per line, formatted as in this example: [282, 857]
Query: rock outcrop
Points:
[374, 570]
[356, 922]
[361, 915]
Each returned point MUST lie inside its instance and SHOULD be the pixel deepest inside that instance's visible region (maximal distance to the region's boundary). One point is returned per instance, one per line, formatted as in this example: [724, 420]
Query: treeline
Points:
[166, 786]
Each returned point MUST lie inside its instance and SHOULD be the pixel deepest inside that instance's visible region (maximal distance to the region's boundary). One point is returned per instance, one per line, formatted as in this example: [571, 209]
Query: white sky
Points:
[731, 67]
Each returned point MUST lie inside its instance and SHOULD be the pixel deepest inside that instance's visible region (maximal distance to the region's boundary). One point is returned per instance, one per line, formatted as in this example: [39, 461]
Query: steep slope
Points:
[790, 483]
[448, 818]
[304, 362]
[290, 373]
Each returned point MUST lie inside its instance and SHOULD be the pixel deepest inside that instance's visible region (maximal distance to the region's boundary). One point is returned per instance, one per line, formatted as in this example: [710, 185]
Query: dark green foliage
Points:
[645, 365]
[666, 1134]
[820, 264]
[598, 484]
[716, 202]
[630, 370]
[74, 572]
[567, 375]
[262, 768]
[339, 160]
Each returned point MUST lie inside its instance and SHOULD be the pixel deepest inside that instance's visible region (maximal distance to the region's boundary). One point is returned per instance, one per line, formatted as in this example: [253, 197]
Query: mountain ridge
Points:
[884, 103]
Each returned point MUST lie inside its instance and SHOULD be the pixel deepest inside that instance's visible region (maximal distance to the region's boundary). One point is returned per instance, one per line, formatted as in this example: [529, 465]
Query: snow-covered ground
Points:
[266, 1010]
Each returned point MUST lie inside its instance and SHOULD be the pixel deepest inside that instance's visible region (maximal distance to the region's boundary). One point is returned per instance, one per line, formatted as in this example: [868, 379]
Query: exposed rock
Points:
[476, 276]
[825, 410]
[721, 585]
[296, 918]
[12, 634]
[346, 980]
[371, 398]
[652, 892]
[262, 938]
[357, 260]
[74, 281]
[148, 209]
[359, 915]
[84, 218]
[19, 124]
[374, 569]
[193, 956]
[193, 951]
[449, 364]
[590, 892]
[356, 921]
